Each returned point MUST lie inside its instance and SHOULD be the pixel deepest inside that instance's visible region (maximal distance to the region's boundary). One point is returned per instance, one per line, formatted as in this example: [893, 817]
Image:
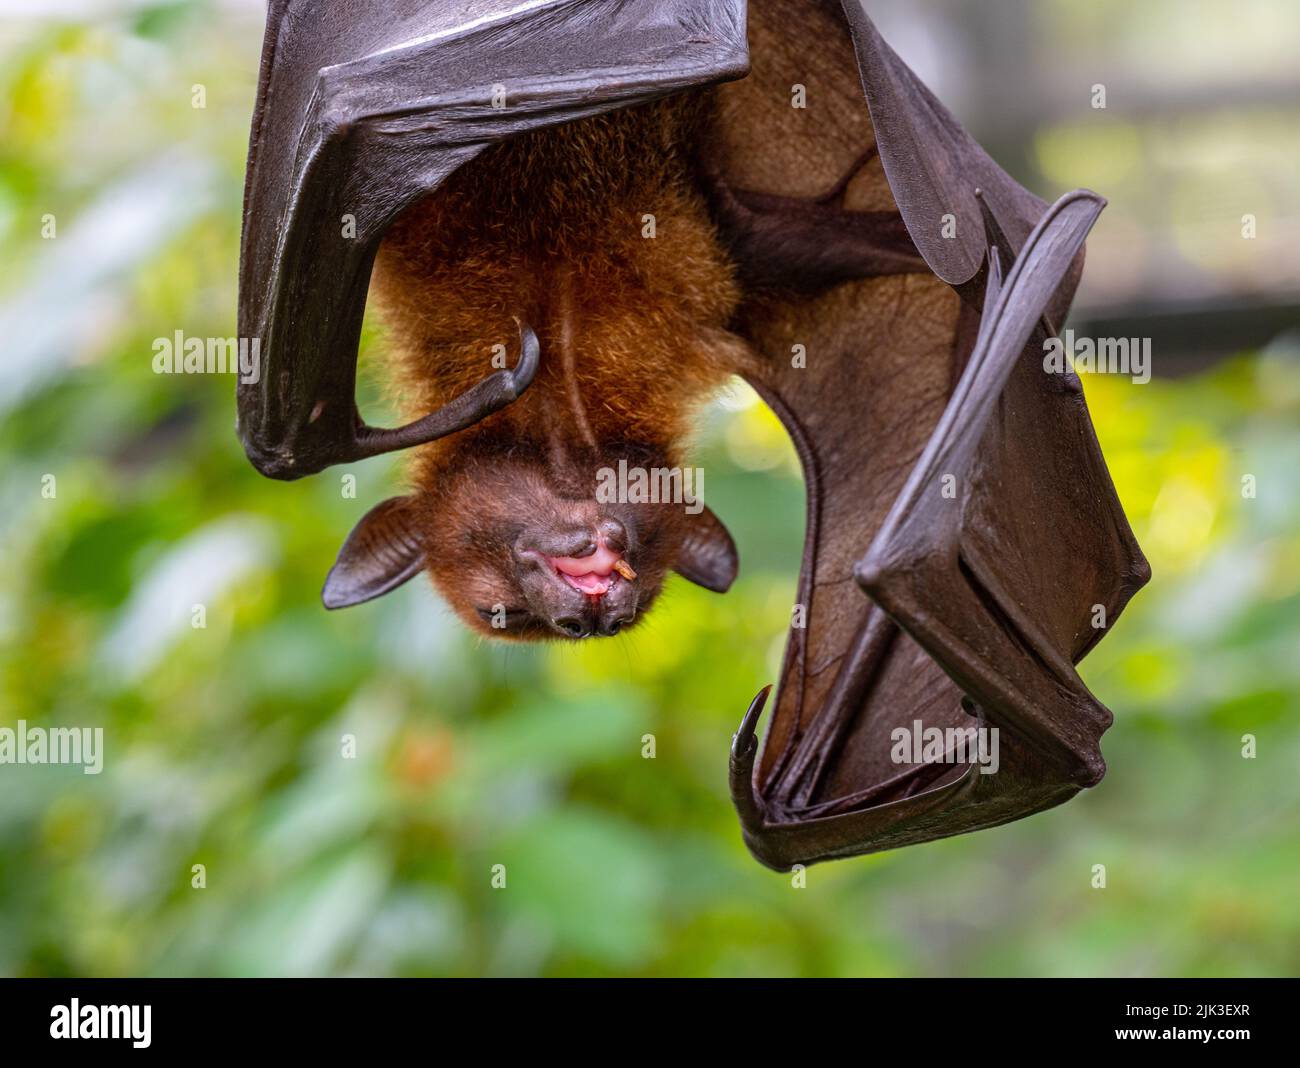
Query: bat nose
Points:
[611, 626]
[574, 627]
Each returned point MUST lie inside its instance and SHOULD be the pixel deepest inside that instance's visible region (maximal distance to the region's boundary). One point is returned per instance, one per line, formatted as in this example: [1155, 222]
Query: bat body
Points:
[576, 220]
[559, 229]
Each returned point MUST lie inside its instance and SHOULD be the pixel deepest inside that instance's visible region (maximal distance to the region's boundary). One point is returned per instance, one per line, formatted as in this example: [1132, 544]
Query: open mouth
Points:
[593, 575]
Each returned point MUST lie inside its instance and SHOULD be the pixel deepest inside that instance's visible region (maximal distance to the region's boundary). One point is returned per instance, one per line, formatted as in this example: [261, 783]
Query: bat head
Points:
[522, 552]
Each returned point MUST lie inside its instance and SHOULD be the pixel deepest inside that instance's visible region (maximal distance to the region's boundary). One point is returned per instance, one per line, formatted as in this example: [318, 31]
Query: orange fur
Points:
[548, 227]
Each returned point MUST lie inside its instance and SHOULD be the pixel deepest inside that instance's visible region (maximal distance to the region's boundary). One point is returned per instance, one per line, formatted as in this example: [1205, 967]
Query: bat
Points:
[578, 219]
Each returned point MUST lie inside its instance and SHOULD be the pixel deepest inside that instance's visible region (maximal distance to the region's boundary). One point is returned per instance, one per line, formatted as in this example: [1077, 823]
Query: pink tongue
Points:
[601, 562]
[593, 585]
[590, 574]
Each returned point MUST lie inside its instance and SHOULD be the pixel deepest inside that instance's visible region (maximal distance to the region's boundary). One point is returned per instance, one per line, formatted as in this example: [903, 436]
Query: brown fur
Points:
[548, 228]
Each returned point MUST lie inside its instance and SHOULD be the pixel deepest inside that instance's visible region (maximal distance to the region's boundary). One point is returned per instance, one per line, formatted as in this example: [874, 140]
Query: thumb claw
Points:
[743, 740]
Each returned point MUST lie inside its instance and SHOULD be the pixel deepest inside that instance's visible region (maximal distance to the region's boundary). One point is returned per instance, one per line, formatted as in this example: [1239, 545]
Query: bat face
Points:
[526, 550]
[519, 553]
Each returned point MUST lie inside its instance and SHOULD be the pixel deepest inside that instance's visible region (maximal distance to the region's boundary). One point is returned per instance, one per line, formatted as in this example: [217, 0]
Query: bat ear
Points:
[383, 551]
[708, 556]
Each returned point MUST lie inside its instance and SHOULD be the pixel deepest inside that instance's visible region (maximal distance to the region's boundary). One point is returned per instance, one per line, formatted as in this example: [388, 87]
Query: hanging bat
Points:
[578, 219]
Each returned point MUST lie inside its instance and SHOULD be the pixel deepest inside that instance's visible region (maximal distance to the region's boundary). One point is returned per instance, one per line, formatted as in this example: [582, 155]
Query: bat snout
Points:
[575, 614]
[584, 586]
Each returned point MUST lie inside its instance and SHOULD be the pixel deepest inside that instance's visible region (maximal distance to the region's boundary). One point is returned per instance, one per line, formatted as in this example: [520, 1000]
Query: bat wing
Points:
[965, 546]
[365, 106]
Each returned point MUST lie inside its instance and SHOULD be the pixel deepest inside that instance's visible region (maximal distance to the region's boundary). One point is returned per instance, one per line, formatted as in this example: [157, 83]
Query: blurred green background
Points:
[224, 743]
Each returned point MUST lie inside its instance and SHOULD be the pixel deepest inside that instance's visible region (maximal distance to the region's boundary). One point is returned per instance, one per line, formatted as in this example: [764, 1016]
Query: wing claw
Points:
[743, 740]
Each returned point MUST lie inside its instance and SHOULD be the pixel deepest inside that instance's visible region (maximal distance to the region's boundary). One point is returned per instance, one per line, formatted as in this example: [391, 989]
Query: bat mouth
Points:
[595, 574]
[598, 571]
